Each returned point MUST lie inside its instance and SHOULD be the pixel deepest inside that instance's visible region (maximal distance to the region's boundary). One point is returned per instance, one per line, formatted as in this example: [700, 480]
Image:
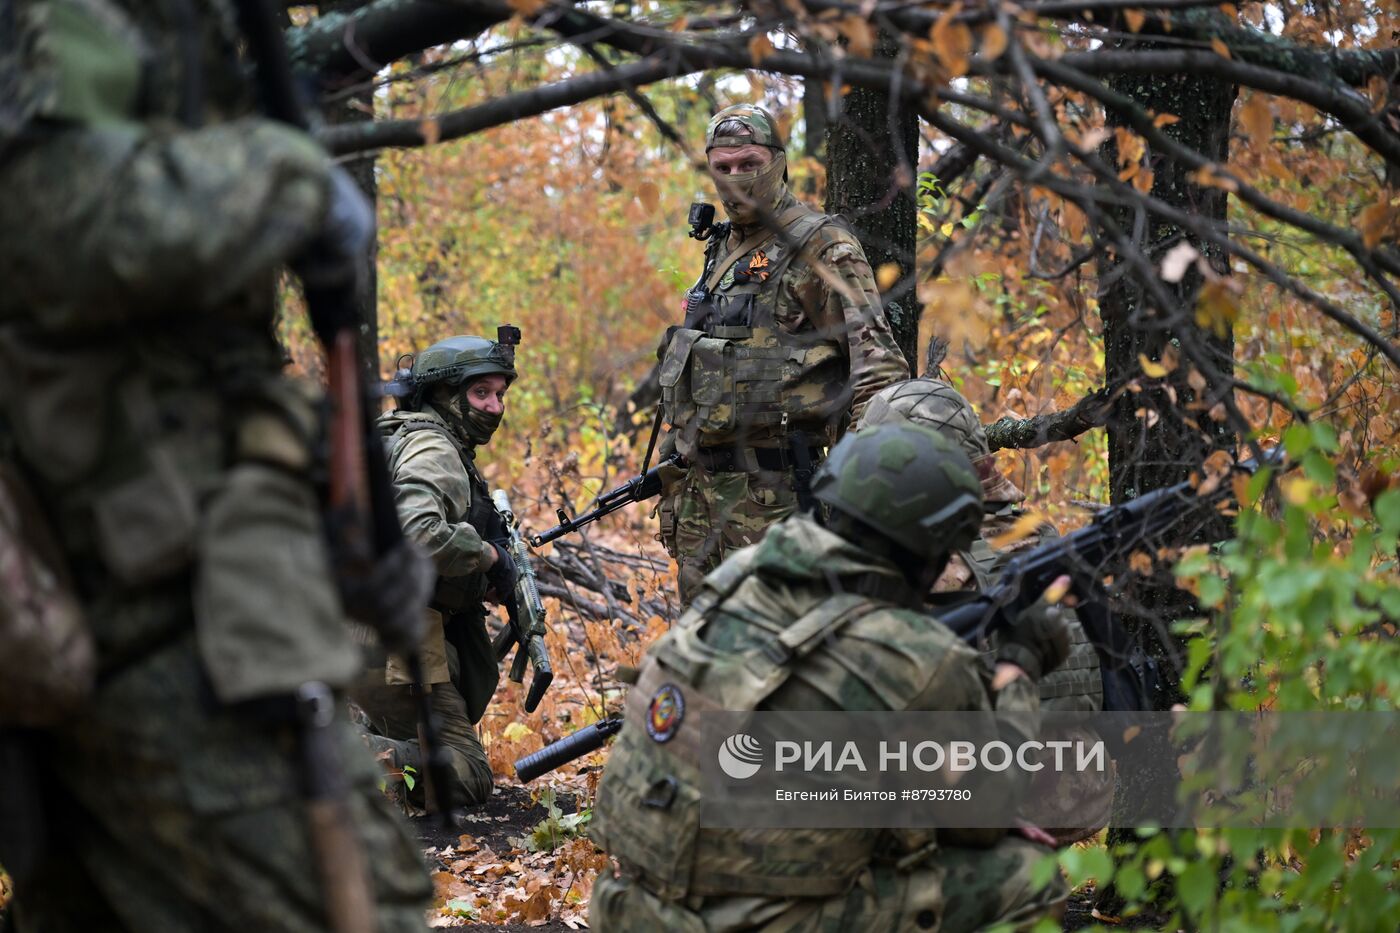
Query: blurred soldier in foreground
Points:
[857, 583]
[452, 403]
[784, 342]
[149, 437]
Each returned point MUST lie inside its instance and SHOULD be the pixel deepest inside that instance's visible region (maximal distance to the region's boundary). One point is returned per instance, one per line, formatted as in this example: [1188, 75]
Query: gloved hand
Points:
[1037, 640]
[391, 598]
[330, 264]
[501, 576]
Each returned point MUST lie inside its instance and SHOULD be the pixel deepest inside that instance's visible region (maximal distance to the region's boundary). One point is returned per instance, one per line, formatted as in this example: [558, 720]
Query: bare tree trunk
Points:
[1151, 440]
[872, 156]
[1158, 436]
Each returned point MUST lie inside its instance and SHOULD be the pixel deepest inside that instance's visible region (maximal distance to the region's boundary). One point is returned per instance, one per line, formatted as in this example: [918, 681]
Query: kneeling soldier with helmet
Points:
[451, 402]
[1077, 685]
[936, 404]
[901, 499]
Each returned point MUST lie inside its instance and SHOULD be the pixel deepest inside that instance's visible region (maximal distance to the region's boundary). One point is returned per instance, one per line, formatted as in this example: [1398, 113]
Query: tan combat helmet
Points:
[935, 404]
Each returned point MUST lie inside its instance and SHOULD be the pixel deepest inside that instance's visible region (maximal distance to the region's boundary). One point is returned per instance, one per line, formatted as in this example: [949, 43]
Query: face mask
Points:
[474, 425]
[480, 425]
[743, 194]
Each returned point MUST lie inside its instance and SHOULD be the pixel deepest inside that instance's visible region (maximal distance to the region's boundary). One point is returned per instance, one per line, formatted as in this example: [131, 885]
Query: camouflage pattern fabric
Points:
[936, 404]
[761, 128]
[868, 652]
[169, 813]
[391, 714]
[140, 389]
[435, 496]
[829, 319]
[961, 889]
[713, 514]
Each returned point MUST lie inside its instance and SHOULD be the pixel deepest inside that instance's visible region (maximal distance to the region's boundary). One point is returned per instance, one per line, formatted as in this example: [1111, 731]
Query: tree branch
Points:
[1348, 106]
[407, 134]
[1092, 411]
[339, 45]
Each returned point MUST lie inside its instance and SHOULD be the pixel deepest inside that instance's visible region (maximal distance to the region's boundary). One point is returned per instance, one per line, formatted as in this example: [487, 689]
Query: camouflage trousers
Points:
[168, 812]
[958, 889]
[708, 515]
[391, 713]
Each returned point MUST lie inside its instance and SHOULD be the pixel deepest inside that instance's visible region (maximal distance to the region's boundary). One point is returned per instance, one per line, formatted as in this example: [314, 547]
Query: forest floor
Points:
[490, 832]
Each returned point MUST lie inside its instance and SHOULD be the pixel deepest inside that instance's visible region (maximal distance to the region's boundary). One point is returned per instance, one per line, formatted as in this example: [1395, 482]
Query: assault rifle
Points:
[526, 612]
[1130, 678]
[636, 489]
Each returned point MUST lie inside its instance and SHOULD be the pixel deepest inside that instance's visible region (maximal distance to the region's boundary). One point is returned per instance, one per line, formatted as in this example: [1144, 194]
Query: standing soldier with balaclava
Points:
[145, 420]
[783, 344]
[454, 402]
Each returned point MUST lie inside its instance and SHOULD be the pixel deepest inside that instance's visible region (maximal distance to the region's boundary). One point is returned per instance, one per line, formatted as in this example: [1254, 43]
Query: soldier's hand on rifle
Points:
[331, 261]
[392, 597]
[501, 575]
[1037, 640]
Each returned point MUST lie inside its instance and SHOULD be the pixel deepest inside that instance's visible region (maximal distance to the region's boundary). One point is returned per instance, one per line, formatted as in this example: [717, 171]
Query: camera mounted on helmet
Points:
[454, 361]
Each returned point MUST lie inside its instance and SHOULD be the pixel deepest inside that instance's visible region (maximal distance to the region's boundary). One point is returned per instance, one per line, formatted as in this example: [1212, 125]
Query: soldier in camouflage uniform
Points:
[455, 402]
[147, 213]
[855, 594]
[1077, 685]
[786, 346]
[936, 404]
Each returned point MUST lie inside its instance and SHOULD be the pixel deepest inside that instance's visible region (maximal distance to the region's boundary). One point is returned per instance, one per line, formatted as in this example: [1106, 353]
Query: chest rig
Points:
[731, 374]
[648, 810]
[452, 594]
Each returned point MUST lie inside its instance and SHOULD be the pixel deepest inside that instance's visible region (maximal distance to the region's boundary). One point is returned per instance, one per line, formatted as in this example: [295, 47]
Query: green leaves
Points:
[1084, 864]
[1196, 886]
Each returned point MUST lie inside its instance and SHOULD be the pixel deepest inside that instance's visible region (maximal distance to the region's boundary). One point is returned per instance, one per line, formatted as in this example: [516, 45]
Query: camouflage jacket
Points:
[790, 338]
[442, 502]
[877, 654]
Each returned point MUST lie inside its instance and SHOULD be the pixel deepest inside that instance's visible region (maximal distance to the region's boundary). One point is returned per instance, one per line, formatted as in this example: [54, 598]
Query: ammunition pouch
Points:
[712, 386]
[477, 672]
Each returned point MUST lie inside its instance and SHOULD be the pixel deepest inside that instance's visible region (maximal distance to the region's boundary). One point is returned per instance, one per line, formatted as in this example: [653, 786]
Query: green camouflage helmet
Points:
[743, 125]
[906, 481]
[456, 361]
[935, 404]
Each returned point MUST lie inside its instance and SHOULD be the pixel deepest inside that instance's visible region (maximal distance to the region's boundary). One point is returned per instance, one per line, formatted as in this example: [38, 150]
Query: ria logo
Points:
[740, 756]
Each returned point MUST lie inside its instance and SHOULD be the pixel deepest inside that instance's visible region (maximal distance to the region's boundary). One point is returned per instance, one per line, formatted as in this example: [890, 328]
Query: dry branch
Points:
[1092, 411]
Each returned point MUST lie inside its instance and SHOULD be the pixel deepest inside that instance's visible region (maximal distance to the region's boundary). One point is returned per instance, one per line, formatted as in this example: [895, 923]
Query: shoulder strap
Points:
[793, 214]
[826, 618]
[394, 442]
[800, 233]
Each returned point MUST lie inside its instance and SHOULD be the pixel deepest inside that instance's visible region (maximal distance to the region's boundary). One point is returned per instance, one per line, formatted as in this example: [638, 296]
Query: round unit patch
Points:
[665, 713]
